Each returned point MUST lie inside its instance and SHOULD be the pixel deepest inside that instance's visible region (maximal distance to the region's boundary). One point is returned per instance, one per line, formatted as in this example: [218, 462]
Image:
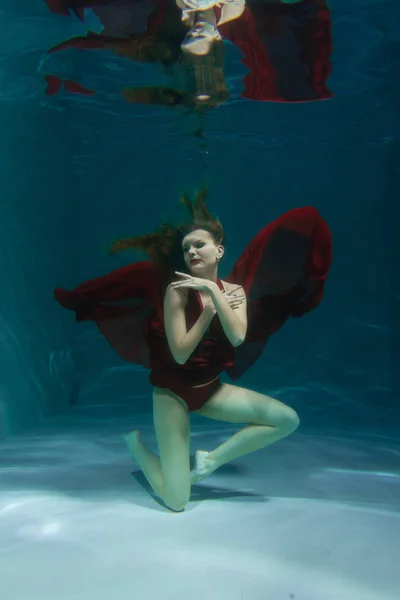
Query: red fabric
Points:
[194, 397]
[263, 40]
[260, 82]
[90, 41]
[76, 88]
[283, 271]
[63, 7]
[54, 84]
[59, 7]
[285, 47]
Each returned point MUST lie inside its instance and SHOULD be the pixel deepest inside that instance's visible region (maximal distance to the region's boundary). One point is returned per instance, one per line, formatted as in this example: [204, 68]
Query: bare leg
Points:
[147, 461]
[168, 474]
[237, 405]
[245, 441]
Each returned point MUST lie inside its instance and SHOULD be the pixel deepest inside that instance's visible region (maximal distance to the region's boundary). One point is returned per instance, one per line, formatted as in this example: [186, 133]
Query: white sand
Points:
[306, 519]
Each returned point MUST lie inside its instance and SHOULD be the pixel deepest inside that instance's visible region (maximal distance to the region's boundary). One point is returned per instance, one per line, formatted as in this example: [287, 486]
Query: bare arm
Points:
[182, 343]
[234, 322]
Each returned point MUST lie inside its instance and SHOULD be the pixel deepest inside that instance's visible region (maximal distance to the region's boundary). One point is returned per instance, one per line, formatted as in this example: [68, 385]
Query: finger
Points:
[236, 303]
[182, 288]
[180, 284]
[229, 294]
[182, 281]
[235, 289]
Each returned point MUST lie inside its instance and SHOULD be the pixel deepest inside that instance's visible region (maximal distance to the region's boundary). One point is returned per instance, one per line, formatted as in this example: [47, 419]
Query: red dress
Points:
[283, 272]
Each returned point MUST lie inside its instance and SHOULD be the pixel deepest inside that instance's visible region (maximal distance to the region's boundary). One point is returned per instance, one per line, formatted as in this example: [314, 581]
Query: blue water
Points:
[314, 516]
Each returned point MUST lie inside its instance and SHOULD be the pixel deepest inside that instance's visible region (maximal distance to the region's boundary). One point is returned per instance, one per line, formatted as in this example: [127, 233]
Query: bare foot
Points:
[204, 465]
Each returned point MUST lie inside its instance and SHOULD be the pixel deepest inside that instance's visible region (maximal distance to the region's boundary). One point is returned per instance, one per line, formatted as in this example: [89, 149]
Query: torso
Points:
[209, 358]
[205, 296]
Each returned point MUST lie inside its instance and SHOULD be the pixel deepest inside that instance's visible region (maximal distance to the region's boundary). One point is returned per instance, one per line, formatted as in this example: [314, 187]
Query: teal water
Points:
[82, 165]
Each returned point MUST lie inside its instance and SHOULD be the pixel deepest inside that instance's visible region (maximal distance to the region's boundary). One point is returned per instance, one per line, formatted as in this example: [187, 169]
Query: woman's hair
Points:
[164, 245]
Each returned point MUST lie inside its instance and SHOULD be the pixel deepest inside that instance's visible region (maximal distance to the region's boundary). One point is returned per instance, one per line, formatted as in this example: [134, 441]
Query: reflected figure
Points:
[286, 48]
[204, 83]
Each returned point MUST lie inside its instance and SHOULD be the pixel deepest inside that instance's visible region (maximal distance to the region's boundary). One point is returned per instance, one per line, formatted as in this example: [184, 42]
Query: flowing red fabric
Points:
[283, 272]
[287, 49]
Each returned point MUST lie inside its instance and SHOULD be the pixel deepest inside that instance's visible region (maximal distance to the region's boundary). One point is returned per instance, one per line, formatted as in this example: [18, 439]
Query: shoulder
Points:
[179, 296]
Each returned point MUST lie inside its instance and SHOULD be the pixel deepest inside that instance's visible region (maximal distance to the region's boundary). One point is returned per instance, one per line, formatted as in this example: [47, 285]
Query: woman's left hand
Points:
[194, 283]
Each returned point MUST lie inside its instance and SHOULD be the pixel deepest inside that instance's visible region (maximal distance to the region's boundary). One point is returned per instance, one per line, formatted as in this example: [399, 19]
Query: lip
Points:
[195, 261]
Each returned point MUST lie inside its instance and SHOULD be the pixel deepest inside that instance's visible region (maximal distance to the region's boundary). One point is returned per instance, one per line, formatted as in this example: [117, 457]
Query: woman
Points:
[189, 327]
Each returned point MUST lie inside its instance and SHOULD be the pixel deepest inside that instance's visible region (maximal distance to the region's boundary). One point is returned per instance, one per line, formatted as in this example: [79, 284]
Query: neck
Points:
[210, 275]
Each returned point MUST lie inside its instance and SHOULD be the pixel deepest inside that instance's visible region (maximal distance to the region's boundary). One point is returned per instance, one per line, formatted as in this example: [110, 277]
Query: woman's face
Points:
[200, 251]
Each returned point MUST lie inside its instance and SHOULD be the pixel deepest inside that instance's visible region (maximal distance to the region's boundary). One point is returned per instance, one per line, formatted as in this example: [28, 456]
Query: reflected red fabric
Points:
[268, 35]
[283, 271]
[63, 7]
[286, 47]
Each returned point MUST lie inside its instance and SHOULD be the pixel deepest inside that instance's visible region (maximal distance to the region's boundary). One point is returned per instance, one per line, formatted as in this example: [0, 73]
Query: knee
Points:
[177, 501]
[176, 504]
[289, 420]
[177, 507]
